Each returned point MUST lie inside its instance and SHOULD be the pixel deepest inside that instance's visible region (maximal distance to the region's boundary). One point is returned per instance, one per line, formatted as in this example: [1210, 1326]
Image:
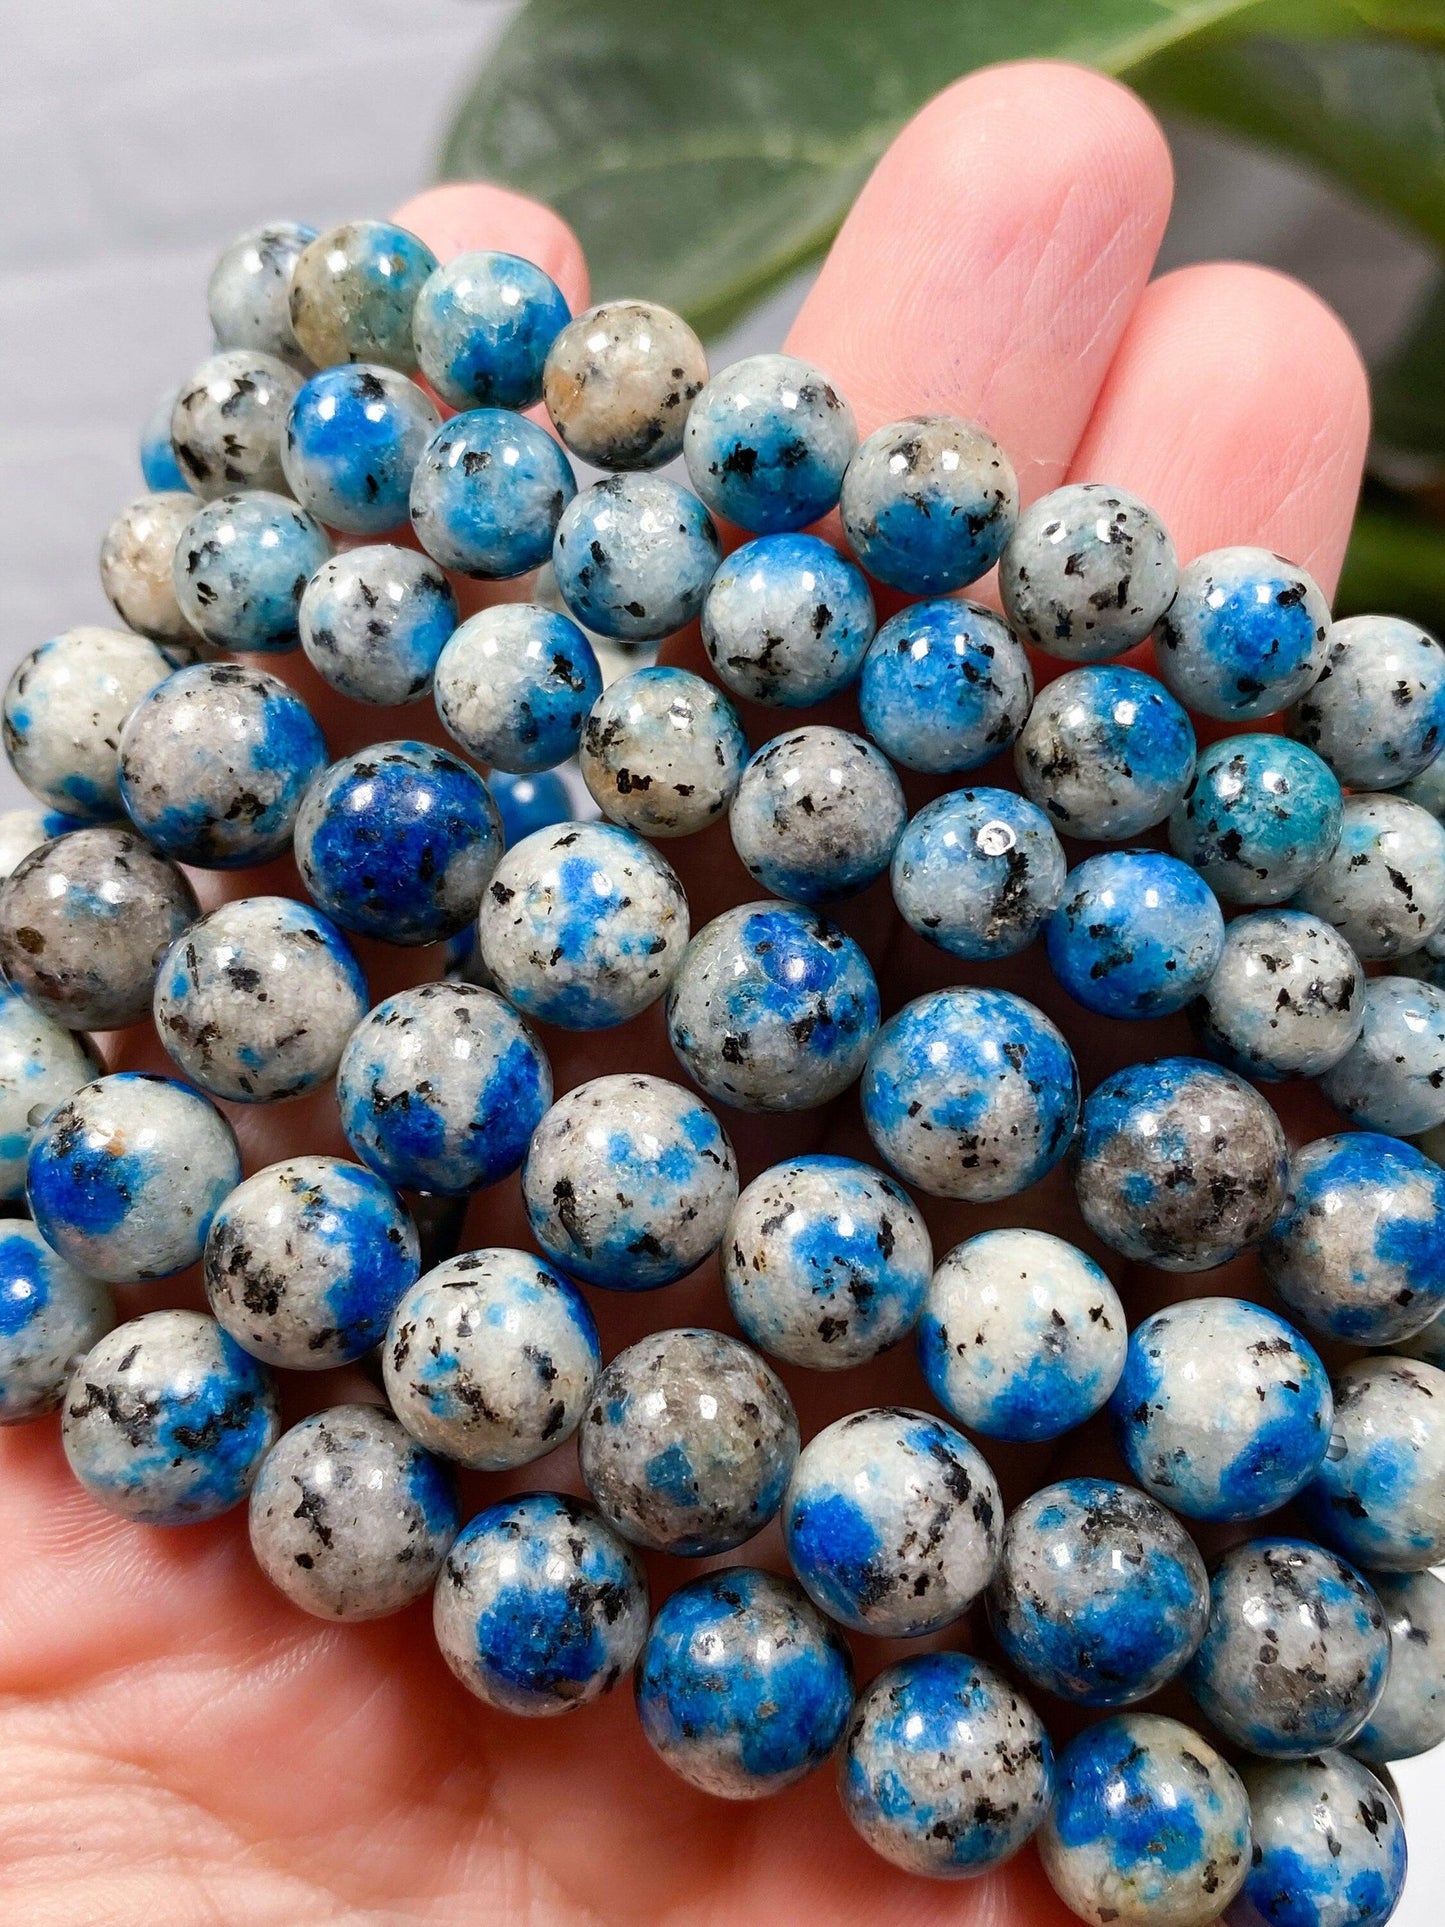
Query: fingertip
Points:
[462, 215]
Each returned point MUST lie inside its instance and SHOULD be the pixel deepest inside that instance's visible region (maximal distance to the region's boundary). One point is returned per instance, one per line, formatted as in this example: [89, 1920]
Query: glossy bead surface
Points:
[159, 468]
[787, 621]
[488, 492]
[1260, 815]
[353, 439]
[1409, 1716]
[767, 441]
[1329, 1846]
[64, 708]
[1137, 934]
[1377, 713]
[374, 620]
[1246, 634]
[1379, 1495]
[978, 872]
[136, 557]
[228, 425]
[248, 295]
[619, 380]
[24, 830]
[41, 1063]
[1287, 997]
[1383, 887]
[1087, 572]
[352, 293]
[482, 326]
[514, 685]
[634, 555]
[1393, 1079]
[928, 503]
[527, 803]
[817, 814]
[1106, 753]
[662, 752]
[50, 1316]
[945, 686]
[242, 563]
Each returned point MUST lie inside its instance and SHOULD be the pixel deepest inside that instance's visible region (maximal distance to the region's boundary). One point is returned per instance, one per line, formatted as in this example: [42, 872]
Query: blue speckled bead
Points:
[634, 555]
[1379, 1494]
[1296, 1652]
[528, 803]
[24, 830]
[482, 326]
[1106, 752]
[305, 1261]
[514, 685]
[1377, 713]
[946, 1770]
[352, 293]
[825, 1262]
[65, 705]
[767, 442]
[892, 1522]
[928, 503]
[971, 1094]
[1087, 572]
[214, 762]
[945, 686]
[1149, 1825]
[662, 752]
[1245, 636]
[353, 439]
[1223, 1411]
[978, 872]
[1409, 1716]
[1138, 934]
[1383, 885]
[742, 1687]
[242, 563]
[1179, 1164]
[398, 841]
[1099, 1595]
[1022, 1335]
[1394, 1078]
[773, 1008]
[50, 1316]
[488, 492]
[1258, 819]
[126, 1175]
[228, 425]
[248, 295]
[1287, 998]
[787, 621]
[441, 1087]
[160, 471]
[137, 552]
[374, 620]
[167, 1420]
[1329, 1846]
[817, 815]
[41, 1063]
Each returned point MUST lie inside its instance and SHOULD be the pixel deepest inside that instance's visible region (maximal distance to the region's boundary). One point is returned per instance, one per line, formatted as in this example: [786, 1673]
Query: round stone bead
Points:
[892, 1522]
[228, 424]
[41, 1063]
[767, 442]
[928, 503]
[945, 1770]
[374, 620]
[634, 555]
[825, 1262]
[1223, 1411]
[619, 380]
[787, 621]
[1099, 1595]
[352, 293]
[1259, 817]
[1138, 934]
[1287, 998]
[1379, 1495]
[978, 872]
[628, 1182]
[1394, 1077]
[1359, 1251]
[349, 1518]
[1296, 1652]
[84, 923]
[540, 1608]
[1179, 1164]
[514, 685]
[136, 559]
[24, 830]
[688, 1442]
[583, 925]
[1149, 1825]
[242, 563]
[742, 1687]
[773, 1008]
[167, 1420]
[440, 1088]
[1087, 572]
[1022, 1336]
[1428, 788]
[63, 711]
[662, 752]
[305, 1261]
[399, 842]
[248, 296]
[817, 815]
[50, 1316]
[353, 439]
[488, 492]
[160, 471]
[971, 1094]
[1377, 713]
[482, 326]
[1106, 752]
[214, 762]
[1329, 1844]
[491, 1358]
[945, 686]
[1409, 1716]
[527, 803]
[1383, 887]
[1245, 636]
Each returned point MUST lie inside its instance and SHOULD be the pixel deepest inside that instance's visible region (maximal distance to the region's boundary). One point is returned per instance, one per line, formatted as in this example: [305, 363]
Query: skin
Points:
[178, 1744]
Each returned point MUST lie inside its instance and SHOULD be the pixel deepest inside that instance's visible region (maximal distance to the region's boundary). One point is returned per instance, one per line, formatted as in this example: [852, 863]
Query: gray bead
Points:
[633, 556]
[41, 1063]
[1377, 713]
[50, 1316]
[135, 565]
[1384, 887]
[1087, 572]
[662, 752]
[979, 872]
[817, 815]
[928, 503]
[374, 620]
[619, 380]
[1409, 1716]
[248, 293]
[1379, 1494]
[1287, 998]
[1394, 1077]
[1106, 751]
[228, 426]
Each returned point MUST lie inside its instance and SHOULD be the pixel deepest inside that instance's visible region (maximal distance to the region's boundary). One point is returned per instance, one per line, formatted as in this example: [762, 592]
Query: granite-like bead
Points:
[928, 503]
[1099, 1595]
[767, 442]
[1287, 997]
[136, 557]
[41, 1063]
[1383, 886]
[1137, 934]
[817, 815]
[305, 1261]
[482, 326]
[978, 872]
[1379, 1494]
[892, 1522]
[1106, 752]
[773, 1008]
[24, 830]
[583, 925]
[374, 620]
[634, 555]
[945, 686]
[84, 922]
[619, 380]
[945, 1771]
[787, 621]
[1149, 1826]
[160, 471]
[1409, 1716]
[1223, 1411]
[248, 295]
[1377, 713]
[971, 1094]
[514, 686]
[1329, 1846]
[166, 1420]
[1393, 1079]
[349, 1518]
[352, 293]
[214, 762]
[742, 1688]
[64, 708]
[354, 436]
[825, 1262]
[488, 492]
[1260, 815]
[1246, 635]
[527, 803]
[440, 1088]
[688, 1442]
[228, 425]
[241, 566]
[50, 1316]
[1022, 1335]
[1087, 572]
[662, 752]
[628, 1182]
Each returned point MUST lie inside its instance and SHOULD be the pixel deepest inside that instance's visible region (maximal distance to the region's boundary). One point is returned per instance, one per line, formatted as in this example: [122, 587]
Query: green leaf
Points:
[1396, 561]
[1410, 389]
